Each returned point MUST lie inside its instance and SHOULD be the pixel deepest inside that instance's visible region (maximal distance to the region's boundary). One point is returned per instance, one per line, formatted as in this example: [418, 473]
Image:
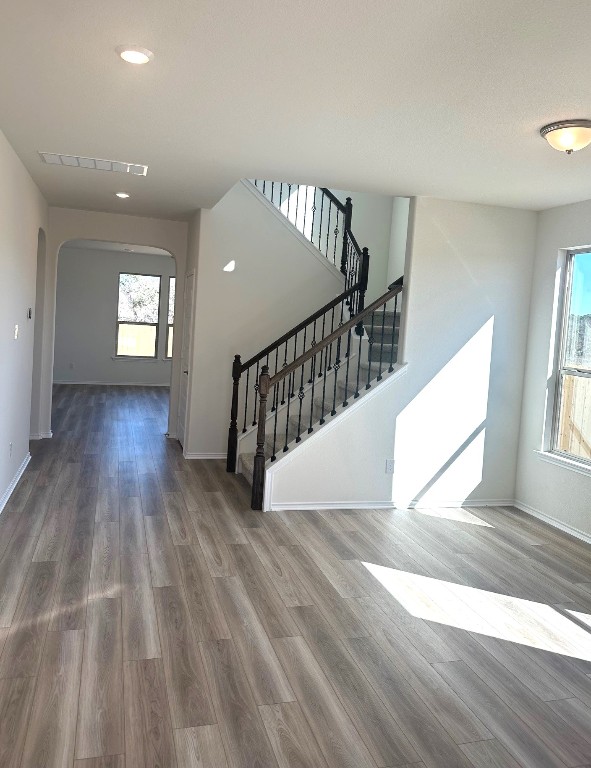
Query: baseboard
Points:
[204, 455]
[13, 483]
[41, 436]
[572, 531]
[332, 505]
[451, 503]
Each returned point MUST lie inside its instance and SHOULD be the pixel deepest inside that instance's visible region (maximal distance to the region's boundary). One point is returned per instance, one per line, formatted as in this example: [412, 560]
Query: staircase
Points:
[307, 377]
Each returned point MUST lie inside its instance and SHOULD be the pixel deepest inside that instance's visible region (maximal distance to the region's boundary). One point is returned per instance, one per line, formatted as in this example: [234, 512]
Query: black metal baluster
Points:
[303, 350]
[323, 393]
[330, 346]
[305, 210]
[336, 366]
[275, 407]
[301, 396]
[322, 351]
[256, 392]
[272, 192]
[246, 400]
[391, 366]
[371, 341]
[312, 344]
[336, 234]
[285, 448]
[288, 199]
[382, 342]
[360, 337]
[264, 186]
[283, 383]
[346, 400]
[276, 360]
[291, 392]
[313, 374]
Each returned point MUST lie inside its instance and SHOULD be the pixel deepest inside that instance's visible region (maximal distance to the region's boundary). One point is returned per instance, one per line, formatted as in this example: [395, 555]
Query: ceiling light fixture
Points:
[567, 135]
[133, 54]
[122, 195]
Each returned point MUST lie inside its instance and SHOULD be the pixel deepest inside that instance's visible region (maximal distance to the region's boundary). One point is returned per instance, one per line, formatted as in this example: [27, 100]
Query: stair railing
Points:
[321, 217]
[338, 345]
[303, 338]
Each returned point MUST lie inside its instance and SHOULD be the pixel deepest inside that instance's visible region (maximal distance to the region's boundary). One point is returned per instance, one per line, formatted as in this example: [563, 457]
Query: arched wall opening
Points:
[67, 224]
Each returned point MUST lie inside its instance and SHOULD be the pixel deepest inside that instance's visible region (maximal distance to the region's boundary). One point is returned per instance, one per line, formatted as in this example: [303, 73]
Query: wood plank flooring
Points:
[150, 619]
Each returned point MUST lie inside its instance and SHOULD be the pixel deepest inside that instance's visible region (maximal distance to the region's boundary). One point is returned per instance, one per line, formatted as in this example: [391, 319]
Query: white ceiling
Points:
[429, 97]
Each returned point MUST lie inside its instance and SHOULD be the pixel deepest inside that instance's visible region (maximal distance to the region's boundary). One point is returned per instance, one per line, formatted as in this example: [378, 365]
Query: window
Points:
[137, 315]
[572, 418]
[170, 329]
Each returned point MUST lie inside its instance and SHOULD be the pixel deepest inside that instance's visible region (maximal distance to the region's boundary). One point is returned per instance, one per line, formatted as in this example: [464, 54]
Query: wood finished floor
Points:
[149, 619]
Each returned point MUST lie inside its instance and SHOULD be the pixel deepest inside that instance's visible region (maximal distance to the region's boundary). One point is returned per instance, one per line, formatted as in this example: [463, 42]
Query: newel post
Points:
[233, 430]
[346, 229]
[363, 278]
[258, 475]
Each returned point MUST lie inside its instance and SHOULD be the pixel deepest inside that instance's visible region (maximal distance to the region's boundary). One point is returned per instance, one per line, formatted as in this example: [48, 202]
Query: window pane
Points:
[136, 340]
[574, 426]
[171, 289]
[139, 297]
[578, 335]
[169, 344]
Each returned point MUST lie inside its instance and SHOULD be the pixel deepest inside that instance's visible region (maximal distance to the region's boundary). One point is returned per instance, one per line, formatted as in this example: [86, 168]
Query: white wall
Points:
[451, 422]
[556, 491]
[69, 224]
[371, 226]
[278, 281]
[86, 312]
[22, 212]
[398, 238]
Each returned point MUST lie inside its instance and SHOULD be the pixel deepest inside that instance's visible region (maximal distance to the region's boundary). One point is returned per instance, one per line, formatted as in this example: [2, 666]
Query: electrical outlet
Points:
[389, 466]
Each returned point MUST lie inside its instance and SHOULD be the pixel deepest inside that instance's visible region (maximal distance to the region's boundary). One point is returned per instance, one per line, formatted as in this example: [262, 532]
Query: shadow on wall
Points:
[440, 435]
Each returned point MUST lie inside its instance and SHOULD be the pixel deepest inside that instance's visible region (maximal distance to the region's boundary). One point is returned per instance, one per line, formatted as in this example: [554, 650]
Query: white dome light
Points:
[122, 195]
[568, 135]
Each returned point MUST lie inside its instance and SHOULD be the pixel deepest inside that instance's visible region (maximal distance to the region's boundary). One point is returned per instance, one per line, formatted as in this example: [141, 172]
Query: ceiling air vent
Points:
[94, 163]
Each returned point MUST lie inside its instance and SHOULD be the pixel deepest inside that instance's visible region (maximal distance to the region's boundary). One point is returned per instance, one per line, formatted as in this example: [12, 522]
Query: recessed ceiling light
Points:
[122, 195]
[230, 266]
[133, 54]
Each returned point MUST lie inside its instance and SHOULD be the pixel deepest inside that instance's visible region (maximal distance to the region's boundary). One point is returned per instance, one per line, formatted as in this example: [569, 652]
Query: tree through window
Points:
[137, 315]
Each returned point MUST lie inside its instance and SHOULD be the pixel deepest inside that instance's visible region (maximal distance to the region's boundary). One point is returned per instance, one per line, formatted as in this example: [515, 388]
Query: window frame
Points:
[135, 322]
[170, 325]
[563, 370]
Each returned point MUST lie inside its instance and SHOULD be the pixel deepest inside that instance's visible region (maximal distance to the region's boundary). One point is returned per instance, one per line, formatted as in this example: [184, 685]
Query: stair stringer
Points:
[310, 442]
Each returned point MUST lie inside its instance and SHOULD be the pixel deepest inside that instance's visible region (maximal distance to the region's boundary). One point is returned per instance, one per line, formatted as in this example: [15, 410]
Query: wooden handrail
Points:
[300, 327]
[341, 331]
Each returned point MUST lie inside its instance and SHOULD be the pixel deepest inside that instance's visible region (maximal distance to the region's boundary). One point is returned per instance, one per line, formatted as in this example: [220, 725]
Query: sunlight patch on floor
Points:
[476, 610]
[457, 514]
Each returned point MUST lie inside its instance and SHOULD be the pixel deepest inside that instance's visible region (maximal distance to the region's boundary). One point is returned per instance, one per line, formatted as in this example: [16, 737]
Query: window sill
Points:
[134, 358]
[562, 461]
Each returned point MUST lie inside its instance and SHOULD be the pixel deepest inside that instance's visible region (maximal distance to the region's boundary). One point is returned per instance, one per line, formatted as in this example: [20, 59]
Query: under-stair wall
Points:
[278, 279]
[451, 422]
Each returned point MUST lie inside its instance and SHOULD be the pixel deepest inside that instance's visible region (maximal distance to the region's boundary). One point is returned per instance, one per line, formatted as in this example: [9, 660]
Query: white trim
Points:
[13, 483]
[41, 436]
[364, 396]
[578, 534]
[116, 383]
[335, 271]
[454, 503]
[334, 505]
[204, 455]
[563, 461]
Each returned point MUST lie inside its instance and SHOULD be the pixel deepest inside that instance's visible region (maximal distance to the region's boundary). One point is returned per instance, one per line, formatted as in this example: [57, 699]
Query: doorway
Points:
[115, 323]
